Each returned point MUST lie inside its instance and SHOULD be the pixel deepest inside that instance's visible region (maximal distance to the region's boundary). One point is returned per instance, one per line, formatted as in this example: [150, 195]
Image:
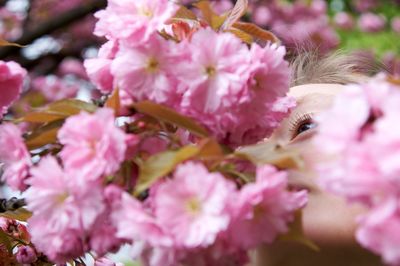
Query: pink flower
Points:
[262, 16]
[396, 24]
[263, 209]
[215, 73]
[14, 155]
[54, 88]
[133, 21]
[344, 21]
[93, 145]
[72, 66]
[193, 205]
[145, 72]
[370, 22]
[133, 222]
[62, 210]
[106, 262]
[99, 69]
[12, 77]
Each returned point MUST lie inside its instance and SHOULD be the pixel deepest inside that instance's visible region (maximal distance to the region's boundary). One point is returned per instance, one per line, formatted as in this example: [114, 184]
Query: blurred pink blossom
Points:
[15, 156]
[262, 16]
[55, 88]
[396, 24]
[263, 209]
[106, 262]
[344, 21]
[72, 66]
[359, 159]
[370, 22]
[93, 145]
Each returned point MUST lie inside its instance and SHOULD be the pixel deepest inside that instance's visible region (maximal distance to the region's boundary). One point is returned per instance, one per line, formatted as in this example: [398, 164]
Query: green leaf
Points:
[162, 164]
[296, 233]
[44, 135]
[20, 214]
[271, 153]
[169, 115]
[5, 240]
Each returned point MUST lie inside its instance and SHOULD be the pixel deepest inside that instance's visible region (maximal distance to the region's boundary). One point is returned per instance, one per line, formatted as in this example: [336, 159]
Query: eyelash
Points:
[297, 122]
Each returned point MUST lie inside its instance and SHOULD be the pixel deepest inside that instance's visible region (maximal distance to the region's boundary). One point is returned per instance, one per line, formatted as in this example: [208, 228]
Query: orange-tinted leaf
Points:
[160, 165]
[209, 148]
[7, 43]
[256, 32]
[20, 214]
[235, 14]
[41, 117]
[113, 102]
[44, 135]
[271, 153]
[57, 110]
[169, 115]
[247, 38]
[296, 233]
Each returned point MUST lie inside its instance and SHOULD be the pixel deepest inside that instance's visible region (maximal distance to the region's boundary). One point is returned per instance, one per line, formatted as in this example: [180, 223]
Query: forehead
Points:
[302, 91]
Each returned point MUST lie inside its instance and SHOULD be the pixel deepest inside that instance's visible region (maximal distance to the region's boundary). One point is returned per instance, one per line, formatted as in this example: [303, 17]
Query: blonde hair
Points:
[338, 68]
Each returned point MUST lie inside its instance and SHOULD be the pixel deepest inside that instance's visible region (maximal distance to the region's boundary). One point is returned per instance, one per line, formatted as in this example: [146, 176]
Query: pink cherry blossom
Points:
[14, 155]
[370, 22]
[193, 205]
[62, 210]
[215, 73]
[144, 72]
[93, 145]
[133, 21]
[12, 76]
[72, 66]
[263, 209]
[379, 231]
[134, 223]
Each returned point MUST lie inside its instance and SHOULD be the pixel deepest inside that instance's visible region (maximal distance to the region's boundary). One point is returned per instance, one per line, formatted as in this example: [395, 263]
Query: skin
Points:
[327, 220]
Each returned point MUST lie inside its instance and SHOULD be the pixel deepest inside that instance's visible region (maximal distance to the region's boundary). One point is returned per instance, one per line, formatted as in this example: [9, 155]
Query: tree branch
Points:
[53, 25]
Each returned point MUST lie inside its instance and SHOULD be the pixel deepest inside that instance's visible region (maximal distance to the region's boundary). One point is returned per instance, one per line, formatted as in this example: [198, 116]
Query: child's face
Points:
[327, 220]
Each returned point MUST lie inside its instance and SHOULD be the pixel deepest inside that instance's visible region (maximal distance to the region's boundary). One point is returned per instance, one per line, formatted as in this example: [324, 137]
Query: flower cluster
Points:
[210, 76]
[361, 159]
[152, 162]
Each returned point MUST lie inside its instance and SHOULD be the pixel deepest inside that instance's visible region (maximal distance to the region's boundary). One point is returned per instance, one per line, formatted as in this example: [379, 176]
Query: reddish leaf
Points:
[20, 214]
[185, 13]
[247, 38]
[7, 43]
[44, 135]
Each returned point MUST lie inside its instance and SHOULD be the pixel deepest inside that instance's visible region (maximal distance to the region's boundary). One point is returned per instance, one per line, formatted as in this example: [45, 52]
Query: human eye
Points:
[302, 127]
